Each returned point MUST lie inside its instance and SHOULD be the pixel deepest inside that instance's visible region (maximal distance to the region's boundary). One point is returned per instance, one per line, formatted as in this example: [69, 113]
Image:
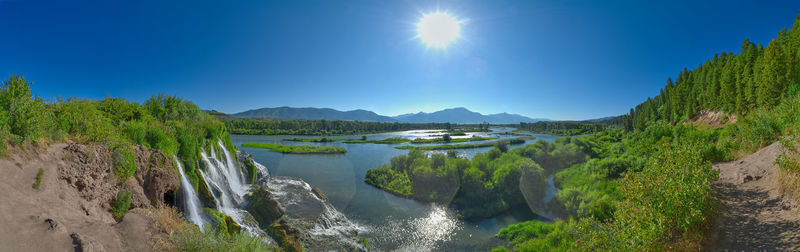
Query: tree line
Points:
[757, 77]
[248, 126]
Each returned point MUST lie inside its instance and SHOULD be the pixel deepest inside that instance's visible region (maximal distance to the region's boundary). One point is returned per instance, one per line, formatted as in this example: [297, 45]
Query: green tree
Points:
[774, 75]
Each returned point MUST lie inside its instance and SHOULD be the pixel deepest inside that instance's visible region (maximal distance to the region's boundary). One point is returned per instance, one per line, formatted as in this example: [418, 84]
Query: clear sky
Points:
[551, 59]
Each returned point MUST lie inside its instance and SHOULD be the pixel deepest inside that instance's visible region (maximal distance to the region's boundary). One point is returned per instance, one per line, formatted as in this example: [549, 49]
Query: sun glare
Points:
[438, 29]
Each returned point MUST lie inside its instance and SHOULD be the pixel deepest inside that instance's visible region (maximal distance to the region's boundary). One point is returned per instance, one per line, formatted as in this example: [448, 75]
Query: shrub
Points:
[123, 161]
[118, 110]
[136, 131]
[81, 118]
[28, 118]
[38, 181]
[158, 138]
[670, 198]
[122, 204]
[539, 236]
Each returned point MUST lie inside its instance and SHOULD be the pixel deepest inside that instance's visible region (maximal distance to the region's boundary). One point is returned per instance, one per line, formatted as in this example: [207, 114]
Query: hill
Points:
[452, 115]
[464, 116]
[317, 114]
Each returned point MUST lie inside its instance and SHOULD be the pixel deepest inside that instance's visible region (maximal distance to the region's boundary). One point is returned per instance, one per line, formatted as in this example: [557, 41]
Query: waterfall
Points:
[190, 201]
[233, 174]
[228, 190]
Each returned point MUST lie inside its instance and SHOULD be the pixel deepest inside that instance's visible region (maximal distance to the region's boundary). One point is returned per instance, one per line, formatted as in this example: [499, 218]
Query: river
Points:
[388, 222]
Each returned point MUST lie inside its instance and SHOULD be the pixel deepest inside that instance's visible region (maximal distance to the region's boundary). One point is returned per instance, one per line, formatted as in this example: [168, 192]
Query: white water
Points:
[228, 187]
[191, 202]
[232, 173]
[226, 179]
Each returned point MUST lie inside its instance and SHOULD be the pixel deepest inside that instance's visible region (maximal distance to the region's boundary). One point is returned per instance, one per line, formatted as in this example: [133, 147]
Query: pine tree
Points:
[774, 75]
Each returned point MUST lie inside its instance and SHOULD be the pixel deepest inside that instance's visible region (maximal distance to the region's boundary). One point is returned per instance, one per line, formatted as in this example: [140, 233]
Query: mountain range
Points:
[451, 115]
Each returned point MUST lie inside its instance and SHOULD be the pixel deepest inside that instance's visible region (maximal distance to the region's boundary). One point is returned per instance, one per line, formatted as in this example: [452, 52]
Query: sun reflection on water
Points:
[423, 233]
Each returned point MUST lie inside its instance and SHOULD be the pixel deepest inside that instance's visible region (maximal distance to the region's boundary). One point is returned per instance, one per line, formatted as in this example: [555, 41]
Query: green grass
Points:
[191, 238]
[122, 204]
[38, 182]
[297, 149]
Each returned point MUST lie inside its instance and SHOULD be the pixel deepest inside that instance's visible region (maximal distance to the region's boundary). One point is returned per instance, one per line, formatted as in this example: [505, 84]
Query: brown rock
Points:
[162, 180]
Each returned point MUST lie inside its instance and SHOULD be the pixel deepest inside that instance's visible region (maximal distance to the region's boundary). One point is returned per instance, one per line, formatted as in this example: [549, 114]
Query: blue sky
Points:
[551, 59]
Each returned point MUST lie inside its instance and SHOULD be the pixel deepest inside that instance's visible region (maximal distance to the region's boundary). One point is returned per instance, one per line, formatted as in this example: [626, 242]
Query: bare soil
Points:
[754, 215]
[713, 119]
[59, 216]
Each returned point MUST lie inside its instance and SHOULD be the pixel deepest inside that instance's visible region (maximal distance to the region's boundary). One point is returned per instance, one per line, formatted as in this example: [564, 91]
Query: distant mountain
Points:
[464, 116]
[400, 117]
[452, 115]
[317, 114]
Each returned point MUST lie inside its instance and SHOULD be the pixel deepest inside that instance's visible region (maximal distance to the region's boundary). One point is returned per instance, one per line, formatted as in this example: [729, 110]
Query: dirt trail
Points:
[754, 215]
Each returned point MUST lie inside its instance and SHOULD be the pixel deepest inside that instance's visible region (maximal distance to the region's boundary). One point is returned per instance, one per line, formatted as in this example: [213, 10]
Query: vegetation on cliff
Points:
[166, 123]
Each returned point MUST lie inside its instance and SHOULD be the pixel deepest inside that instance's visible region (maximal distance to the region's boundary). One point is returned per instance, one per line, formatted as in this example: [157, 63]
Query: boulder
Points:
[286, 236]
[204, 193]
[263, 206]
[224, 223]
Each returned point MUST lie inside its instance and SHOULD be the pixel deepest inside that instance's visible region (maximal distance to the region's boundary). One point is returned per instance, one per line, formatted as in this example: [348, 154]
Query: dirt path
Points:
[754, 215]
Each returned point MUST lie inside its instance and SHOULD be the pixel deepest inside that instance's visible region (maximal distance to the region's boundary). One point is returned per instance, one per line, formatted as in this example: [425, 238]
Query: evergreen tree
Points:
[774, 75]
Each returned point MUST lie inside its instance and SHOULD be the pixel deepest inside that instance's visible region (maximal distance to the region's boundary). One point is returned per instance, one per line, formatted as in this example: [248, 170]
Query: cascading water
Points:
[325, 226]
[235, 177]
[191, 202]
[226, 180]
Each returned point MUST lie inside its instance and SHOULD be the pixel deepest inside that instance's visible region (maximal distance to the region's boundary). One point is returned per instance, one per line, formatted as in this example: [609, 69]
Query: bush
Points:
[82, 118]
[27, 118]
[158, 138]
[670, 198]
[123, 161]
[118, 110]
[136, 131]
[539, 236]
[38, 182]
[122, 204]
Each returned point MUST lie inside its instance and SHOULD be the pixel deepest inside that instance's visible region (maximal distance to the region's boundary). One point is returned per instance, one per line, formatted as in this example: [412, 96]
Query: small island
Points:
[315, 140]
[297, 149]
[519, 140]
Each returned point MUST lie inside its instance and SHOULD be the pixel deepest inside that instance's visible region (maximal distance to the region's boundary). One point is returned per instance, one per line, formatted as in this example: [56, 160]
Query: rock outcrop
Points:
[88, 168]
[71, 208]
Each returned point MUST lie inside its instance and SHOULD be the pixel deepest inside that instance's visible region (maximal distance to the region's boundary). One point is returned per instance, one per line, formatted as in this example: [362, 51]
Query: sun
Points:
[438, 29]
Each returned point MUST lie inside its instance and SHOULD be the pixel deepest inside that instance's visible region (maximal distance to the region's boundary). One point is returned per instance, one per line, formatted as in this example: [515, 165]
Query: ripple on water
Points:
[420, 233]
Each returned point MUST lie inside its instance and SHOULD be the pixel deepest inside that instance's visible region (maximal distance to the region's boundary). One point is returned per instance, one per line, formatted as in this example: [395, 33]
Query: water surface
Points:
[389, 222]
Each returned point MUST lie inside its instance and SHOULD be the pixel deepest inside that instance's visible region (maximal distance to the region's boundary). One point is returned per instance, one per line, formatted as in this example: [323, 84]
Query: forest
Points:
[757, 77]
[563, 128]
[243, 126]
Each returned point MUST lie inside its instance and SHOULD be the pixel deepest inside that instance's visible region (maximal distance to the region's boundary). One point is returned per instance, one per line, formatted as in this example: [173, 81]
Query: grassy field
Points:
[297, 149]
